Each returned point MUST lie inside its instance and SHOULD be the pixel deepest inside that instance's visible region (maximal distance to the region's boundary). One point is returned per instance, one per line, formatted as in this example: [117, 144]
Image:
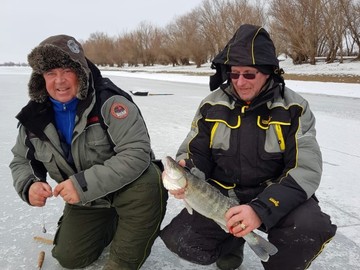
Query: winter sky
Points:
[24, 24]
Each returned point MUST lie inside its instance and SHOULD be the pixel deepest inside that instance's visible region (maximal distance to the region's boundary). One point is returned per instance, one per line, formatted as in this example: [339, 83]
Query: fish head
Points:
[174, 176]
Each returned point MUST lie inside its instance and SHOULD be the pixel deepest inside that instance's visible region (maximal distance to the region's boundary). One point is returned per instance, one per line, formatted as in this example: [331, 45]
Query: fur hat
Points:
[59, 51]
[250, 46]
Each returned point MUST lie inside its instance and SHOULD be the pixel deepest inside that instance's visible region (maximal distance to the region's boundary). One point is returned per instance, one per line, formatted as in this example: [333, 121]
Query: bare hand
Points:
[178, 194]
[67, 191]
[38, 193]
[242, 219]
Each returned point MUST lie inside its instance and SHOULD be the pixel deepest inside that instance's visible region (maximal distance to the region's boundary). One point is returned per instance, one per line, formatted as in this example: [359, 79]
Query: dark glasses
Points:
[247, 76]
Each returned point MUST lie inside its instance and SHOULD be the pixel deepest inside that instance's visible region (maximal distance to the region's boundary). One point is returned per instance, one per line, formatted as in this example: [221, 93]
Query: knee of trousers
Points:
[183, 241]
[298, 245]
[190, 253]
[72, 260]
[304, 227]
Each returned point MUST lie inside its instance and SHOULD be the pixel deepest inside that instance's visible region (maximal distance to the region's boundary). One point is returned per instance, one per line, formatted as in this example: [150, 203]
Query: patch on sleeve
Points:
[119, 110]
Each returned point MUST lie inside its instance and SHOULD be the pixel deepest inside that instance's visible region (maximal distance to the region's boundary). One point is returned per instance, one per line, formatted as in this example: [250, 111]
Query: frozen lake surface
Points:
[168, 119]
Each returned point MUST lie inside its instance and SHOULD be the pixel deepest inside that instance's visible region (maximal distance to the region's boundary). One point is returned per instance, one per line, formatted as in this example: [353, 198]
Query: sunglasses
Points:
[247, 76]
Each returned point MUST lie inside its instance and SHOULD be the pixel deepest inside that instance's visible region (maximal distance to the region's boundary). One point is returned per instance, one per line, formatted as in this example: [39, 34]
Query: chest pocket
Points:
[45, 155]
[97, 146]
[275, 133]
[223, 122]
[221, 135]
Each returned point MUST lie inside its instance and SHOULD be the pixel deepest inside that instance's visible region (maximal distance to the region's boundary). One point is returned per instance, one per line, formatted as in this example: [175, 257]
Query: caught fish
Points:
[210, 202]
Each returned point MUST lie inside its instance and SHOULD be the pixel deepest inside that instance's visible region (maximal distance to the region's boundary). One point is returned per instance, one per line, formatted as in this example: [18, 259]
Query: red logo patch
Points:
[119, 111]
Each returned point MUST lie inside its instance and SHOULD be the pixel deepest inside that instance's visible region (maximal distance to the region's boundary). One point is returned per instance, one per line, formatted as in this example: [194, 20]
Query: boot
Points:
[232, 260]
[111, 265]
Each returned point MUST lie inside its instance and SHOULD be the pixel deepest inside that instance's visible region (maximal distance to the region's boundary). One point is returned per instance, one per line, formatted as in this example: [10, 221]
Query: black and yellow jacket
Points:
[266, 150]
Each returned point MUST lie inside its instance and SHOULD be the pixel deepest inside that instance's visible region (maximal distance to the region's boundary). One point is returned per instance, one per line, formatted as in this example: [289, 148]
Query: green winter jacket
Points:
[98, 168]
[102, 161]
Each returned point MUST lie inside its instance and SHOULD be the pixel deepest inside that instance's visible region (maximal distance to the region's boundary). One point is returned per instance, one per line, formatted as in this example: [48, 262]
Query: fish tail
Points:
[262, 248]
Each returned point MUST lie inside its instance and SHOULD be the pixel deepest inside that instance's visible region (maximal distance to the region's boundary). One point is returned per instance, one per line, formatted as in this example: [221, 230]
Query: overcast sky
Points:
[24, 24]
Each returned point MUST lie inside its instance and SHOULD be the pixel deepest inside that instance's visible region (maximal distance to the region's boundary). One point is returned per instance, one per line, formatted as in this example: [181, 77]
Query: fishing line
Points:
[43, 224]
[43, 221]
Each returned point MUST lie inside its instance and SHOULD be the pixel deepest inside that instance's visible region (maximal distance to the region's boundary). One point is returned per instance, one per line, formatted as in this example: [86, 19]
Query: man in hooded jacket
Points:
[111, 188]
[254, 139]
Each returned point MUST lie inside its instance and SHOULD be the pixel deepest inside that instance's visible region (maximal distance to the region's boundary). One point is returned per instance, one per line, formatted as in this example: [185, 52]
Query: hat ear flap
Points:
[219, 77]
[37, 88]
[279, 78]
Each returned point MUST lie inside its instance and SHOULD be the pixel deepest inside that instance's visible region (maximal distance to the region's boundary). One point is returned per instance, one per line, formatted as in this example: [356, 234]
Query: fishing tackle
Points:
[41, 259]
[43, 221]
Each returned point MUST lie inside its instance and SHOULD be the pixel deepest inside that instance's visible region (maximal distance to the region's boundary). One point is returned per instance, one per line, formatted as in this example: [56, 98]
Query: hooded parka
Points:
[263, 153]
[265, 150]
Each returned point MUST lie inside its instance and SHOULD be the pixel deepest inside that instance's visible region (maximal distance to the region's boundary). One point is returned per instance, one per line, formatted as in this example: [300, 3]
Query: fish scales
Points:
[209, 202]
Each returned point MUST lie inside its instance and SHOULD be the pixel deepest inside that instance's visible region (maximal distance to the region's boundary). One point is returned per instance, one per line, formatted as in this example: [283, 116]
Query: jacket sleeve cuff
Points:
[263, 211]
[274, 203]
[25, 191]
[80, 179]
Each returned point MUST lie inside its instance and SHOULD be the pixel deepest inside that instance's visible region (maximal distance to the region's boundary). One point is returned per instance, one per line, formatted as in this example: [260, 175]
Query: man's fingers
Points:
[182, 163]
[58, 189]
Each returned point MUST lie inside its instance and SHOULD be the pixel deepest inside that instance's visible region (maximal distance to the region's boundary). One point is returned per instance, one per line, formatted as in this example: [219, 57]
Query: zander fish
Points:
[209, 202]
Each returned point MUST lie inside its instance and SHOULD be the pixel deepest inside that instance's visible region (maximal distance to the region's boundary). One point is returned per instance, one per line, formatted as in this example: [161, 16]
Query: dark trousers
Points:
[131, 225]
[299, 237]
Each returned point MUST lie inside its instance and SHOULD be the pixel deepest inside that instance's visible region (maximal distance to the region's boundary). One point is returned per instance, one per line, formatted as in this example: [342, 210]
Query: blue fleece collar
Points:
[65, 118]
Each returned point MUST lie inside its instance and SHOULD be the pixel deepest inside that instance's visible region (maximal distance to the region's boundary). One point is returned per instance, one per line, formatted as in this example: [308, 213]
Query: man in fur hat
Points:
[111, 188]
[254, 140]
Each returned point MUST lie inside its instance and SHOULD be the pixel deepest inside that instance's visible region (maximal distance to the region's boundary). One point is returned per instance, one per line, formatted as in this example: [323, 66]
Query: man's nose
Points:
[241, 80]
[59, 78]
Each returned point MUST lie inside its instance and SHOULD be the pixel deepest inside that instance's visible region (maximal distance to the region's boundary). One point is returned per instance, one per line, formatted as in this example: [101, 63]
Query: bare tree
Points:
[191, 43]
[302, 29]
[219, 19]
[148, 39]
[118, 55]
[129, 48]
[99, 48]
[298, 23]
[170, 48]
[334, 28]
[212, 24]
[184, 42]
[352, 15]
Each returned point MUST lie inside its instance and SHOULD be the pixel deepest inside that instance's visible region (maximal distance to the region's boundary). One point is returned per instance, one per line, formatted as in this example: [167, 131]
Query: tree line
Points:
[301, 29]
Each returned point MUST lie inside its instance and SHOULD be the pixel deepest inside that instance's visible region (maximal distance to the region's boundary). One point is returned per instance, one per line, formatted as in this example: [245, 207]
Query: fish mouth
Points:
[166, 163]
[173, 178]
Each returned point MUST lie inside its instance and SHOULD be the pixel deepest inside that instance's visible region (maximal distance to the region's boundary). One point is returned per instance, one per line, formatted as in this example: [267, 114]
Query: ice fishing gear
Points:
[43, 221]
[41, 259]
[146, 93]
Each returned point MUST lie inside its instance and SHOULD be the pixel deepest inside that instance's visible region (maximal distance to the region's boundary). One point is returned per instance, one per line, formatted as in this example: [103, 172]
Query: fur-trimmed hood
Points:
[59, 51]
